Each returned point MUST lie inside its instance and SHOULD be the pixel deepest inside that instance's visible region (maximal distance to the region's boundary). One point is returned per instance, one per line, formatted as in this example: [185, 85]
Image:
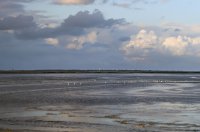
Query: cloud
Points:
[17, 1]
[78, 42]
[16, 23]
[84, 19]
[182, 45]
[74, 25]
[176, 45]
[135, 4]
[7, 9]
[123, 5]
[15, 8]
[185, 29]
[105, 1]
[140, 45]
[149, 1]
[147, 44]
[144, 39]
[73, 2]
[52, 41]
[12, 7]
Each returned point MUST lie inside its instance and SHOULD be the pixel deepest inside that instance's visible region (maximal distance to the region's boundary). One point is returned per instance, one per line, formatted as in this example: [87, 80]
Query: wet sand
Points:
[99, 102]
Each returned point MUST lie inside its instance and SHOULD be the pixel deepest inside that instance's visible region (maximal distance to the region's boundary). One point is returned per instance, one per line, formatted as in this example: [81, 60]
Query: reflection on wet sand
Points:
[99, 102]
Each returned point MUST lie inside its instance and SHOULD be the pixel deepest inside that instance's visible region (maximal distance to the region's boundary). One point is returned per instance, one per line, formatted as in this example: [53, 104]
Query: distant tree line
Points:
[92, 71]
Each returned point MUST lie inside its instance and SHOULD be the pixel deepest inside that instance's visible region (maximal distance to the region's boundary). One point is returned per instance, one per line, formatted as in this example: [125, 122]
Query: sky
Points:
[100, 34]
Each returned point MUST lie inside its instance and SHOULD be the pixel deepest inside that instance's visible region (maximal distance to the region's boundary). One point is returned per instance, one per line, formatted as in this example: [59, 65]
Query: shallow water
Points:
[100, 102]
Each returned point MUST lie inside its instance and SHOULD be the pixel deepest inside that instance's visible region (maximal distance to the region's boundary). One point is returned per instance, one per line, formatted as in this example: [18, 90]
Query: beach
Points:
[99, 102]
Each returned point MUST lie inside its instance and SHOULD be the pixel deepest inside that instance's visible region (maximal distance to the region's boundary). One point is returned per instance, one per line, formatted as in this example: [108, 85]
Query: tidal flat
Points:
[136, 102]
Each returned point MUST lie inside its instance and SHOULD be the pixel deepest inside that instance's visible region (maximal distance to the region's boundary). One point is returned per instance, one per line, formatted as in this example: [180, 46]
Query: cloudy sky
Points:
[105, 34]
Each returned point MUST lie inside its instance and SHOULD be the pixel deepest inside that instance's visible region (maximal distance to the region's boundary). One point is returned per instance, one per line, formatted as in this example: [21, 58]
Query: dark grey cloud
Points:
[122, 39]
[7, 8]
[133, 4]
[123, 5]
[73, 25]
[17, 23]
[17, 0]
[145, 1]
[105, 1]
[86, 20]
[12, 7]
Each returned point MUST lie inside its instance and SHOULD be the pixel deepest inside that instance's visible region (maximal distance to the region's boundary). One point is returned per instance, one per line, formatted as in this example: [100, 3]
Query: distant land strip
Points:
[93, 71]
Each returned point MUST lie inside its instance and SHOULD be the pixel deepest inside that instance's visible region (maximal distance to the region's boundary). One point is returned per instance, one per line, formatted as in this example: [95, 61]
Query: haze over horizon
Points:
[105, 34]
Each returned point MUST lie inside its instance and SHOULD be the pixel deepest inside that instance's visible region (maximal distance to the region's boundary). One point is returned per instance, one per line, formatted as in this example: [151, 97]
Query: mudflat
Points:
[99, 102]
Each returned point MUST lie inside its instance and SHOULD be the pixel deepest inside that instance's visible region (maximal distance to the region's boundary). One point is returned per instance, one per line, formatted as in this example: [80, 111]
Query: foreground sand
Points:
[99, 102]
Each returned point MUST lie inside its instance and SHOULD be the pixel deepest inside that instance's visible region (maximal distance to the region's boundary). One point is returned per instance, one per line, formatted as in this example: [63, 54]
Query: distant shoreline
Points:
[94, 71]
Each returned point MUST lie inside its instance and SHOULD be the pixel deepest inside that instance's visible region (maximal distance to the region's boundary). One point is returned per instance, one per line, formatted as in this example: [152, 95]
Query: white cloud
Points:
[144, 39]
[52, 41]
[146, 43]
[73, 2]
[77, 43]
[140, 44]
[195, 41]
[176, 45]
[182, 45]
